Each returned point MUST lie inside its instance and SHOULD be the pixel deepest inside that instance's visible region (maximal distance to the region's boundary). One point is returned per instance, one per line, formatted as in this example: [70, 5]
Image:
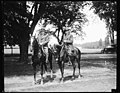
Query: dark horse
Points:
[62, 56]
[39, 58]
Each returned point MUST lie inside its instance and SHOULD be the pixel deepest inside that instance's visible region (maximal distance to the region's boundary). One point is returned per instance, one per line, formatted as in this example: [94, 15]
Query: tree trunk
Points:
[24, 51]
[112, 37]
[63, 33]
[11, 50]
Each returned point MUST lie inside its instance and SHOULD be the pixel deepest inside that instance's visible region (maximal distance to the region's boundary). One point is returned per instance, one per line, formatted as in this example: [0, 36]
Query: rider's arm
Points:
[64, 38]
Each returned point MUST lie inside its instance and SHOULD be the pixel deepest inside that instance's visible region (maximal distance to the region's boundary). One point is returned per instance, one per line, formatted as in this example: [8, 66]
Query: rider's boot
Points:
[46, 57]
[46, 52]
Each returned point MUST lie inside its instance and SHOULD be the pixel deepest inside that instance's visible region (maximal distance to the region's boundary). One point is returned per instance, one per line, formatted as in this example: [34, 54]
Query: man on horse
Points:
[43, 39]
[68, 41]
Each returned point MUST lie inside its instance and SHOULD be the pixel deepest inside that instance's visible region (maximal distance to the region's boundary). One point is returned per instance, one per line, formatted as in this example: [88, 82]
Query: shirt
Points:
[42, 39]
[68, 38]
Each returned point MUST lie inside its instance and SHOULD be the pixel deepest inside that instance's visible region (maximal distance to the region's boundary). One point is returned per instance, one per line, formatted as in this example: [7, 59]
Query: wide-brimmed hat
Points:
[68, 31]
[41, 30]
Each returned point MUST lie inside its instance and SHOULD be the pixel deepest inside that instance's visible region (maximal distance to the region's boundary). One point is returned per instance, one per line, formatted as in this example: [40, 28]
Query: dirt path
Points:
[94, 79]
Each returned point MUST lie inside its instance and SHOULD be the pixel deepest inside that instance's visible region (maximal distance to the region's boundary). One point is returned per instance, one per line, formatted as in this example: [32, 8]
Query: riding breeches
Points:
[70, 49]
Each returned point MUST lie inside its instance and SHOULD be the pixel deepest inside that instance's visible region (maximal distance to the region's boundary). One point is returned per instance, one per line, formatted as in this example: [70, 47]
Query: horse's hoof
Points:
[61, 81]
[80, 76]
[51, 76]
[47, 62]
[73, 77]
[41, 83]
[69, 64]
[34, 83]
[46, 73]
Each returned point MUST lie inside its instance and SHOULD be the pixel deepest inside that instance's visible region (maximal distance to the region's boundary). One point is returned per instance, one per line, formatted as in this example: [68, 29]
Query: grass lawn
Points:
[12, 67]
[19, 77]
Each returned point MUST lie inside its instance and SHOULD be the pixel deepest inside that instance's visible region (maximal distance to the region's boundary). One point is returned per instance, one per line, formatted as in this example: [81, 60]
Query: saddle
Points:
[71, 50]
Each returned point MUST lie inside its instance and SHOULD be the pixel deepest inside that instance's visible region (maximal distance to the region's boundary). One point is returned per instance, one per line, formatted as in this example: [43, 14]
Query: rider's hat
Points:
[68, 31]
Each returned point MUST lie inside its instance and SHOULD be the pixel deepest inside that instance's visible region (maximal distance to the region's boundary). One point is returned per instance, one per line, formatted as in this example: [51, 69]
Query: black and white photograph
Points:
[59, 46]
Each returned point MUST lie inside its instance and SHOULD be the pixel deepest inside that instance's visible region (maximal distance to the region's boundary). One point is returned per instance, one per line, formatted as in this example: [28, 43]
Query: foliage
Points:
[107, 10]
[107, 40]
[15, 24]
[63, 15]
[100, 42]
[19, 22]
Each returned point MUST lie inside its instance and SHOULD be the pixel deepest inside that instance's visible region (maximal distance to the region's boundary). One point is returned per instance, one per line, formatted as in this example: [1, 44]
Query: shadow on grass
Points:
[14, 68]
[91, 65]
[70, 78]
[17, 70]
[46, 79]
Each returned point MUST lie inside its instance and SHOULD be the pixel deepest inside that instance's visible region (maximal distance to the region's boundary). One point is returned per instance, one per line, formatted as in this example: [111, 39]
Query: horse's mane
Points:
[37, 47]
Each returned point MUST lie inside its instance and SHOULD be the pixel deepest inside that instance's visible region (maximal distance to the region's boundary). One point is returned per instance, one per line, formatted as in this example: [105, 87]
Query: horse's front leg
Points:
[34, 69]
[51, 72]
[41, 74]
[61, 70]
[78, 61]
[74, 66]
[45, 65]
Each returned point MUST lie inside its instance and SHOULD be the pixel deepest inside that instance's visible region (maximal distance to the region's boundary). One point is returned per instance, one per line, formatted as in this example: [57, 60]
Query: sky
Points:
[94, 30]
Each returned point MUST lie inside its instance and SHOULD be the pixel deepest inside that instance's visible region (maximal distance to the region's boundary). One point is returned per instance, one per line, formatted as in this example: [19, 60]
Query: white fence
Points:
[17, 51]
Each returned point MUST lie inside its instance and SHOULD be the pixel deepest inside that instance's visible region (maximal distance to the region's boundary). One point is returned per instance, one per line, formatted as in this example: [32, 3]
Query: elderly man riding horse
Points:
[42, 39]
[68, 41]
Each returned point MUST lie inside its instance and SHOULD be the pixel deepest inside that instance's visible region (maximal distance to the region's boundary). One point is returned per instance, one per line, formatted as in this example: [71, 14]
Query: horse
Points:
[39, 58]
[62, 55]
[56, 50]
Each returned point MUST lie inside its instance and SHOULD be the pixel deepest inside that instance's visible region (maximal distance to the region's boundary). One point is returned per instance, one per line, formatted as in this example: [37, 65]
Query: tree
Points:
[16, 26]
[107, 10]
[107, 40]
[19, 22]
[100, 43]
[64, 15]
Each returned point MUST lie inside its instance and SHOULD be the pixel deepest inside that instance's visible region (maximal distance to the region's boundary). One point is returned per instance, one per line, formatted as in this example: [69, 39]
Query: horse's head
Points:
[56, 51]
[36, 47]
